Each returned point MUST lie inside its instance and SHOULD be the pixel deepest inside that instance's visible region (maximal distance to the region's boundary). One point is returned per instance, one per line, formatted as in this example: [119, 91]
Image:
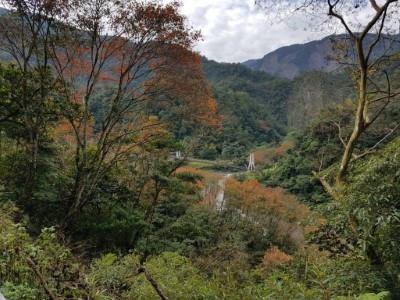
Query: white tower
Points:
[251, 165]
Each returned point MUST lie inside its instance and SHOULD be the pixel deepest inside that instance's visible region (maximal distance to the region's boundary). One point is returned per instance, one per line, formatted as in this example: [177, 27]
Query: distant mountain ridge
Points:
[289, 103]
[290, 61]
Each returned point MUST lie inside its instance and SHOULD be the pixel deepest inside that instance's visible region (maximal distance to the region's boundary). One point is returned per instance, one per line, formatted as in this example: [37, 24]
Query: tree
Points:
[271, 211]
[140, 49]
[372, 200]
[30, 170]
[33, 89]
[374, 89]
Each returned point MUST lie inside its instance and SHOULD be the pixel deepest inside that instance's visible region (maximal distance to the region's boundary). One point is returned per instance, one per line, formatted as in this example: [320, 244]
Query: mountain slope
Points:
[290, 61]
[259, 108]
[289, 103]
[253, 109]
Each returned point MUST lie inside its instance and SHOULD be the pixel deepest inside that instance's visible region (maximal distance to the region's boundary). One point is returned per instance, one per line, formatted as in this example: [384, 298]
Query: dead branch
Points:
[152, 281]
[43, 282]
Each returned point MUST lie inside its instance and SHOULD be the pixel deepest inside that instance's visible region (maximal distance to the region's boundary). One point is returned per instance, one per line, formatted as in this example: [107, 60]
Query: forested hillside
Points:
[258, 108]
[106, 116]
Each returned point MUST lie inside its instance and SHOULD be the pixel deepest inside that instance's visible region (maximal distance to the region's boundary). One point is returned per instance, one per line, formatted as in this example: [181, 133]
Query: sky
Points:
[236, 30]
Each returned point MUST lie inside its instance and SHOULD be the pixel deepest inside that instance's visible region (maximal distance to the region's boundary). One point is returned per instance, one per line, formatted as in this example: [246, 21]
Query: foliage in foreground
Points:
[41, 268]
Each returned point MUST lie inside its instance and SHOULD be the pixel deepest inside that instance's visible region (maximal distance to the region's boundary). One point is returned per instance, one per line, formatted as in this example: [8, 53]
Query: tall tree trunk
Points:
[360, 117]
[76, 198]
[30, 179]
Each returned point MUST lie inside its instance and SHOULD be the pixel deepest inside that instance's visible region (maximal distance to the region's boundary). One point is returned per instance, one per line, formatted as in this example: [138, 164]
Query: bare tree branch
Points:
[340, 133]
[372, 149]
[374, 5]
[43, 282]
[153, 282]
[375, 19]
[332, 13]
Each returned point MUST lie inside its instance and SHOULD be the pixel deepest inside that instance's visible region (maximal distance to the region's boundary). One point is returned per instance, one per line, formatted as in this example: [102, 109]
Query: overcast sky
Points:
[236, 30]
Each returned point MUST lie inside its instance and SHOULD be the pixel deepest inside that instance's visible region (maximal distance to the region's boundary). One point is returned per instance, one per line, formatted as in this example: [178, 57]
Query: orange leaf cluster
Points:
[65, 133]
[255, 196]
[271, 208]
[186, 83]
[273, 258]
[281, 149]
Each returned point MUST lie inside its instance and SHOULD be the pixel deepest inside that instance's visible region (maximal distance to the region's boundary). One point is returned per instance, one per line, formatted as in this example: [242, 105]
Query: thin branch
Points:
[375, 19]
[332, 13]
[378, 37]
[389, 96]
[43, 282]
[152, 281]
[340, 133]
[372, 149]
[384, 97]
[374, 5]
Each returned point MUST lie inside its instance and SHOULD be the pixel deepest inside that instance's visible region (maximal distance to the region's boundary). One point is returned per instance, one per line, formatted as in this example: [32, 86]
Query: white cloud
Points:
[235, 30]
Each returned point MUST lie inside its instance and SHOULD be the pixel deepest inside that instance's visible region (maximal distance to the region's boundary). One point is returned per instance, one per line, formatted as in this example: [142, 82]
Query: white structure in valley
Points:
[251, 165]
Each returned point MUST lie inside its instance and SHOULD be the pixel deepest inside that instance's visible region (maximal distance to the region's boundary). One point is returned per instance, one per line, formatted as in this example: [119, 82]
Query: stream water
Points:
[220, 200]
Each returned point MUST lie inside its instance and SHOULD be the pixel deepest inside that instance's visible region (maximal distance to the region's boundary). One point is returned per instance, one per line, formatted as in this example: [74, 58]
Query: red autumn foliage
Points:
[281, 149]
[186, 83]
[272, 208]
[273, 258]
[142, 51]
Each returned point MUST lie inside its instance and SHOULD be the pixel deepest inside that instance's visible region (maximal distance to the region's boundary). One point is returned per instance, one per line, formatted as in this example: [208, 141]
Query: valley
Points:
[126, 157]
